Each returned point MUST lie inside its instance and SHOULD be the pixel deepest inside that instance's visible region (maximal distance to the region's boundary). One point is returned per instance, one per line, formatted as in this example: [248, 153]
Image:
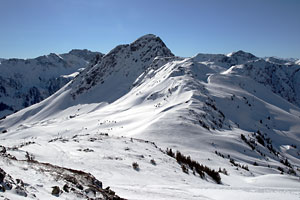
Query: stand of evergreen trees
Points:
[194, 166]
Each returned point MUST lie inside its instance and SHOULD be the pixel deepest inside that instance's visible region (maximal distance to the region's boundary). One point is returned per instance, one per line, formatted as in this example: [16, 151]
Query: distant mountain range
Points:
[24, 82]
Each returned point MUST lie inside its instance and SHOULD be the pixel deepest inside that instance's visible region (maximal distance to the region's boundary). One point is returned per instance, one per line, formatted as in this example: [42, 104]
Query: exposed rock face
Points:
[81, 184]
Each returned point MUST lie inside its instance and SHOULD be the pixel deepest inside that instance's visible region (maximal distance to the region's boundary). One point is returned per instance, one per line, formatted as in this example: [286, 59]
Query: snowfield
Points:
[236, 114]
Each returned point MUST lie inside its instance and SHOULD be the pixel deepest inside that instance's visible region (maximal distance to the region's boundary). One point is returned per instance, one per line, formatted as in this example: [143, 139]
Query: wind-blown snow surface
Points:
[29, 81]
[225, 111]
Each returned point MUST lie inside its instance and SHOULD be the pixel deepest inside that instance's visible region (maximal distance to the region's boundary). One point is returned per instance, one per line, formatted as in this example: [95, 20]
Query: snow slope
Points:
[26, 82]
[225, 111]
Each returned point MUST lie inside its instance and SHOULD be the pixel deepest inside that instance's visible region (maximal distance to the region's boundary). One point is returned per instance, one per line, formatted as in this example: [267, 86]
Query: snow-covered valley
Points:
[236, 114]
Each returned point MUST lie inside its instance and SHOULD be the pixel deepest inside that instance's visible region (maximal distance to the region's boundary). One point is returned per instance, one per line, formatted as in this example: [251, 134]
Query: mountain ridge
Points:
[224, 111]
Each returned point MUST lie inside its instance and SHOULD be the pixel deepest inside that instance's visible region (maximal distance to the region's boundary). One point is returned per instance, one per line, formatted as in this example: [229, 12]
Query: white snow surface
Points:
[139, 100]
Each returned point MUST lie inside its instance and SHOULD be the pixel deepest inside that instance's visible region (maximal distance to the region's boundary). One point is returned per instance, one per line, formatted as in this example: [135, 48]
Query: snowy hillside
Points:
[282, 79]
[26, 82]
[233, 119]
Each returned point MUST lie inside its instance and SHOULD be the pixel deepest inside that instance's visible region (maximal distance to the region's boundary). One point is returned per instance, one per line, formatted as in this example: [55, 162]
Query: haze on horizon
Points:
[265, 28]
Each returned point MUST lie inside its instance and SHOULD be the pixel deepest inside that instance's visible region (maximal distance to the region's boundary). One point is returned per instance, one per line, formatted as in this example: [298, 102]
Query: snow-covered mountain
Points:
[26, 82]
[282, 79]
[237, 116]
[282, 60]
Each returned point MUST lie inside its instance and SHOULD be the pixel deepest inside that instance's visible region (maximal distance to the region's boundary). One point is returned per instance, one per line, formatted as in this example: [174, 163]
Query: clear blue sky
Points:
[29, 28]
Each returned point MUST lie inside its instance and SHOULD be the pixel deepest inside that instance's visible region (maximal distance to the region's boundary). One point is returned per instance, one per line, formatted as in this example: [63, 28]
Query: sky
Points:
[30, 28]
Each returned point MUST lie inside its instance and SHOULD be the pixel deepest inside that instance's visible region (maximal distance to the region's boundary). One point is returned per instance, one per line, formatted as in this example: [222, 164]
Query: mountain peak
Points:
[147, 37]
[243, 54]
[84, 53]
[78, 50]
[128, 61]
[151, 41]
